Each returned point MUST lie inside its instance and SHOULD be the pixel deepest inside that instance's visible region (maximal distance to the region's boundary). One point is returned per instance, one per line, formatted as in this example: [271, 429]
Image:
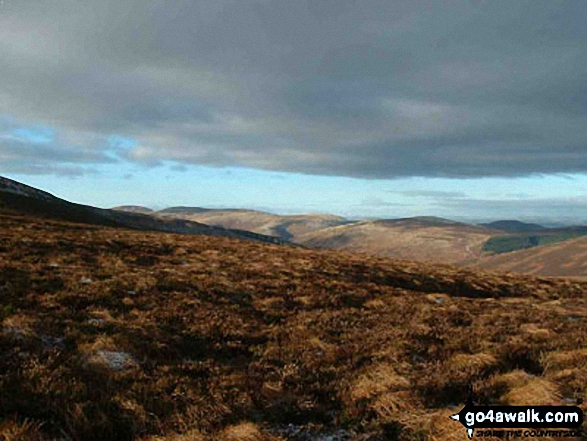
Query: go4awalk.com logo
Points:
[474, 417]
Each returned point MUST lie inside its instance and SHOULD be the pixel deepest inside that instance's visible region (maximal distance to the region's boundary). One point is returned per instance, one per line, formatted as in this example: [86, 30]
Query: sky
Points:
[464, 109]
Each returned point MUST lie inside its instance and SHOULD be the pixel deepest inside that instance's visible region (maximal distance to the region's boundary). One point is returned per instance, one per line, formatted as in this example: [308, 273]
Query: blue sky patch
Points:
[34, 135]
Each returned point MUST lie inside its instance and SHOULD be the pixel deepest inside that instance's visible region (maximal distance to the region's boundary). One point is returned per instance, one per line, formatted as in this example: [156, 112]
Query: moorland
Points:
[113, 333]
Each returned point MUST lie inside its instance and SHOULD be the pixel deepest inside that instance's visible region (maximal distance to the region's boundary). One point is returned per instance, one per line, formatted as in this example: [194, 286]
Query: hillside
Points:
[185, 211]
[428, 238]
[566, 258]
[18, 198]
[513, 226]
[421, 239]
[285, 227]
[119, 334]
[417, 239]
[133, 209]
[499, 244]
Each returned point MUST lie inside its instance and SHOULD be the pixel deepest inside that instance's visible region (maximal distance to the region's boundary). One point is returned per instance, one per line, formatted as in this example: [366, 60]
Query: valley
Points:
[122, 334]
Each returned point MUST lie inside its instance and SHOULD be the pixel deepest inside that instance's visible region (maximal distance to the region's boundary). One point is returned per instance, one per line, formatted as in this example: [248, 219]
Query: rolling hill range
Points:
[19, 198]
[285, 227]
[133, 209]
[513, 226]
[118, 334]
[566, 258]
[421, 239]
[417, 239]
[529, 239]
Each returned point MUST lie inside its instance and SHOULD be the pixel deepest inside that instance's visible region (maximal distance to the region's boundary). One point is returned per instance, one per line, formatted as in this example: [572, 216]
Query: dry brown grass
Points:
[114, 334]
[563, 259]
[409, 239]
[442, 428]
[559, 360]
[536, 391]
[286, 227]
[378, 380]
[464, 366]
[191, 435]
[245, 432]
[11, 430]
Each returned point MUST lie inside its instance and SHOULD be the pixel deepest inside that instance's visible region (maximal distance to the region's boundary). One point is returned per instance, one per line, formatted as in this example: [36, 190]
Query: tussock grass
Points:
[559, 360]
[172, 338]
[11, 430]
[378, 380]
[537, 391]
[245, 432]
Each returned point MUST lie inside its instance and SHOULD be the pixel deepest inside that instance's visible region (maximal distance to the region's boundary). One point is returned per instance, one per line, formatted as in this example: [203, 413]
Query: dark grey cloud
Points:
[41, 150]
[375, 89]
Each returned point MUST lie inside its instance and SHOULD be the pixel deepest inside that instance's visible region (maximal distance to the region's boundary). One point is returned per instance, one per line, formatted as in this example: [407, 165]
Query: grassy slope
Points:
[133, 209]
[422, 239]
[408, 239]
[514, 242]
[117, 334]
[51, 207]
[567, 258]
[285, 227]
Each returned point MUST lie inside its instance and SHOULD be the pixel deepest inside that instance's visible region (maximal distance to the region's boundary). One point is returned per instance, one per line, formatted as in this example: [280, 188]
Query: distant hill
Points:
[421, 221]
[184, 210]
[18, 198]
[495, 245]
[509, 242]
[424, 239]
[16, 188]
[513, 226]
[564, 258]
[285, 227]
[123, 335]
[133, 209]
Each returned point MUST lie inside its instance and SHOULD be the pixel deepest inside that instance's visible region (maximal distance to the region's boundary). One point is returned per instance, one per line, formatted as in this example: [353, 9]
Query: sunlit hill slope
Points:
[114, 333]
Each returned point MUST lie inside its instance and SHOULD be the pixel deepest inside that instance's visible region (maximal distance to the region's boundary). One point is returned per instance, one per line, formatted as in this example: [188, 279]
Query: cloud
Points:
[69, 171]
[381, 89]
[431, 194]
[570, 207]
[378, 202]
[42, 150]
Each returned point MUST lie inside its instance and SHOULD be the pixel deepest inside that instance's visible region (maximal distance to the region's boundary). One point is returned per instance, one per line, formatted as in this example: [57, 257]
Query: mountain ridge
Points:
[147, 334]
[514, 226]
[18, 198]
[422, 239]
